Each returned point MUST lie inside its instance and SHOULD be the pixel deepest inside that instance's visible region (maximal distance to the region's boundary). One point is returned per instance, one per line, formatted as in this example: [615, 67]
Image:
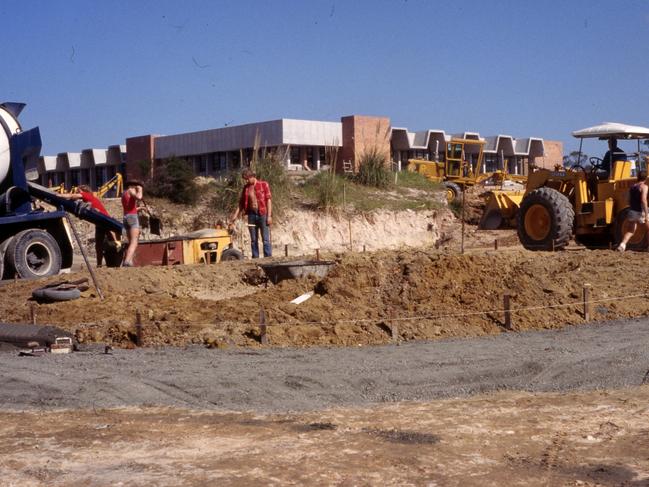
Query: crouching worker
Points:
[85, 194]
[130, 198]
[638, 208]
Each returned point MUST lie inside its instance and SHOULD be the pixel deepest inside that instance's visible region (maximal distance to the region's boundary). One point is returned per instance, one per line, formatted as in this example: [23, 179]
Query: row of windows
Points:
[216, 162]
[76, 177]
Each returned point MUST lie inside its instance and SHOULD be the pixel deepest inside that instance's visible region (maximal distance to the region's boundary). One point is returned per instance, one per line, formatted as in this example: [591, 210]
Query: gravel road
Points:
[603, 355]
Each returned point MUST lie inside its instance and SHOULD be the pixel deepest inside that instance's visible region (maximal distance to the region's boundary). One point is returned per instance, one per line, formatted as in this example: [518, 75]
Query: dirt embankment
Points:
[427, 293]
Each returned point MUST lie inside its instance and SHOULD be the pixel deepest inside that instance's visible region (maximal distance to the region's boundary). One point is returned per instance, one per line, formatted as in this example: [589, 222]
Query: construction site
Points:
[414, 342]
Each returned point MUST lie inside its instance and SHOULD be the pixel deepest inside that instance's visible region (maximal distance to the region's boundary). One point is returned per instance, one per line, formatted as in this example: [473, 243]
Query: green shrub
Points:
[326, 188]
[174, 180]
[268, 167]
[373, 169]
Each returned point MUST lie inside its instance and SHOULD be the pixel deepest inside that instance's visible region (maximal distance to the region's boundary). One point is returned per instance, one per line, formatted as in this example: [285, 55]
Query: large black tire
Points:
[639, 239]
[52, 294]
[34, 253]
[545, 220]
[453, 192]
[231, 254]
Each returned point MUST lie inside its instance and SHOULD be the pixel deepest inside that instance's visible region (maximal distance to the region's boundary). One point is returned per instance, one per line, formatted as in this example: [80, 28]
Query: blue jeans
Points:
[257, 223]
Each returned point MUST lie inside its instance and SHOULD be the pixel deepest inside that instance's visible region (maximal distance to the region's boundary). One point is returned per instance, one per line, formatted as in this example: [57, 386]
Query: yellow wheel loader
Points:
[589, 203]
[462, 167]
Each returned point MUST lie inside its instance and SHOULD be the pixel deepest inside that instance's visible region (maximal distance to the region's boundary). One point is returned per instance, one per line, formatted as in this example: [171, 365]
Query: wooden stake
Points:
[138, 328]
[508, 315]
[495, 244]
[32, 312]
[463, 201]
[317, 254]
[263, 337]
[84, 255]
[586, 302]
[286, 250]
[364, 248]
[394, 328]
[351, 243]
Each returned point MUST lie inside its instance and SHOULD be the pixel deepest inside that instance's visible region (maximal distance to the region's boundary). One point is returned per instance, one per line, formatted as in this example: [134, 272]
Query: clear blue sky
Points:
[94, 73]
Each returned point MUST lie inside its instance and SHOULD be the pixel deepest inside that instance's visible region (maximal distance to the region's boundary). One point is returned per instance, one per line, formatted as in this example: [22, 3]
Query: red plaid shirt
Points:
[262, 192]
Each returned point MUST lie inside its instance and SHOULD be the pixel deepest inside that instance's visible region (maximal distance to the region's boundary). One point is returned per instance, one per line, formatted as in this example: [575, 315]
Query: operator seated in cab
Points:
[613, 154]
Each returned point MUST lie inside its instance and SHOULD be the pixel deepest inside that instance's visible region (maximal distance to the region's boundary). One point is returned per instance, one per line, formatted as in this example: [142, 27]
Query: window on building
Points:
[235, 158]
[295, 155]
[74, 177]
[202, 164]
[491, 162]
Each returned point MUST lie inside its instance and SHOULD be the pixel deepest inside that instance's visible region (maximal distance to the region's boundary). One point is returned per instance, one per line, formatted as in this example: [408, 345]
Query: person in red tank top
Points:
[85, 194]
[132, 194]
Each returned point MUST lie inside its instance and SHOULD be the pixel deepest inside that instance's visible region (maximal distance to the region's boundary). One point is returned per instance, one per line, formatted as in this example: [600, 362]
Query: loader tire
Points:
[453, 192]
[639, 239]
[545, 220]
[34, 253]
[231, 254]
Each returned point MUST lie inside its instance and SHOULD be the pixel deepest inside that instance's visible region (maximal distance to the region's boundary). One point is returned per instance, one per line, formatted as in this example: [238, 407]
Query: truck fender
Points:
[3, 251]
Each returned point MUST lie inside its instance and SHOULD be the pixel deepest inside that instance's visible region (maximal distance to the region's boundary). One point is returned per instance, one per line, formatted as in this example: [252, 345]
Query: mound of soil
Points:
[426, 293]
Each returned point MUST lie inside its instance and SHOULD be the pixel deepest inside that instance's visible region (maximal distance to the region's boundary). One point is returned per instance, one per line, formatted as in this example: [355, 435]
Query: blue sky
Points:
[94, 73]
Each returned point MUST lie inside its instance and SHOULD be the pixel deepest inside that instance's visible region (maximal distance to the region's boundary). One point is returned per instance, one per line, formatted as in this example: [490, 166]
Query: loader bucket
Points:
[500, 209]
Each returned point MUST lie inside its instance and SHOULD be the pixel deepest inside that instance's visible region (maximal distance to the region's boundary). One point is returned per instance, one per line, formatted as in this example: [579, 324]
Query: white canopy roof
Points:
[613, 129]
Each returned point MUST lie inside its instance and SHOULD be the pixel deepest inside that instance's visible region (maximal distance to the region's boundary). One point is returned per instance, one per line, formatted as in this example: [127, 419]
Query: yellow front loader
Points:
[591, 204]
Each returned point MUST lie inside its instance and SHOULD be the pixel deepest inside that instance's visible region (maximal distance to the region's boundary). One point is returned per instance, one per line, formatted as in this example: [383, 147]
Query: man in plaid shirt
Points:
[256, 204]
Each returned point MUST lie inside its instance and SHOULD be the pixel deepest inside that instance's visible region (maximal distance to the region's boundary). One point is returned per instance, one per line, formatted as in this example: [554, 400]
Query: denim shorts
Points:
[131, 221]
[635, 216]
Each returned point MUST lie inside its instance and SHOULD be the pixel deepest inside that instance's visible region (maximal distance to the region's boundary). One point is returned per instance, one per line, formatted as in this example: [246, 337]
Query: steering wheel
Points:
[596, 164]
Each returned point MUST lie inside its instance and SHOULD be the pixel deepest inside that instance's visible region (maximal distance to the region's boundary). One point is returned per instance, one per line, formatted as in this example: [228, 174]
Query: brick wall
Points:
[553, 155]
[362, 133]
[139, 149]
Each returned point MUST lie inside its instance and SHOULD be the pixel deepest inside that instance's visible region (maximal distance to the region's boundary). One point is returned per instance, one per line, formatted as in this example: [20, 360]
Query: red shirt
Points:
[129, 203]
[262, 192]
[94, 202]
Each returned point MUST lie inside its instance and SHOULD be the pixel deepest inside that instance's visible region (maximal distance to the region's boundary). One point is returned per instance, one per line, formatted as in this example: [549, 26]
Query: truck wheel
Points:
[453, 192]
[34, 253]
[622, 225]
[545, 220]
[231, 254]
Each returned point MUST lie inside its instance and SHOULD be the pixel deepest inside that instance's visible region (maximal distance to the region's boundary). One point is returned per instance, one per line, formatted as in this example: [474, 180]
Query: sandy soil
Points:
[588, 439]
[427, 293]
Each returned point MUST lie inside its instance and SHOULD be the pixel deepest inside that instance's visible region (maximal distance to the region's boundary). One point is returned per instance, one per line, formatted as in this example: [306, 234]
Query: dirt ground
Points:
[580, 439]
[426, 293]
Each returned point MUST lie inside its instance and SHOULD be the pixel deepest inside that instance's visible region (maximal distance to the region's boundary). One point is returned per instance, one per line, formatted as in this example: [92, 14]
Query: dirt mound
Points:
[426, 293]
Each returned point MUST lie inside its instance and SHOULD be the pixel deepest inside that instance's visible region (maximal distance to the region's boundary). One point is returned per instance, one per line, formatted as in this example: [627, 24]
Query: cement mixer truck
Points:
[34, 242]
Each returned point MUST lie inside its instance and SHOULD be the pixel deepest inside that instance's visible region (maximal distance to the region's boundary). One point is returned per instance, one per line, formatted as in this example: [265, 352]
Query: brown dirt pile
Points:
[427, 293]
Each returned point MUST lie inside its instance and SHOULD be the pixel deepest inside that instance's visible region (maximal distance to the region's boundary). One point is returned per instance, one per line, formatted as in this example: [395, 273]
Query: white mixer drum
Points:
[9, 127]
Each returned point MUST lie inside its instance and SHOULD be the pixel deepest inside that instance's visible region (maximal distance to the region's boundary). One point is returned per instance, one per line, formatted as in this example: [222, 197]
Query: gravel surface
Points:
[604, 355]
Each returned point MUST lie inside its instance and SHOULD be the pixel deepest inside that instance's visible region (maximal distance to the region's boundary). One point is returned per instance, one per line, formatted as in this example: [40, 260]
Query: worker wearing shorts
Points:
[638, 212]
[132, 194]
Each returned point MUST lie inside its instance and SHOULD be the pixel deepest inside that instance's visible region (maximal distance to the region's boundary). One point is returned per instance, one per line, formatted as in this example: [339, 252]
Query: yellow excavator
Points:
[462, 167]
[117, 182]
